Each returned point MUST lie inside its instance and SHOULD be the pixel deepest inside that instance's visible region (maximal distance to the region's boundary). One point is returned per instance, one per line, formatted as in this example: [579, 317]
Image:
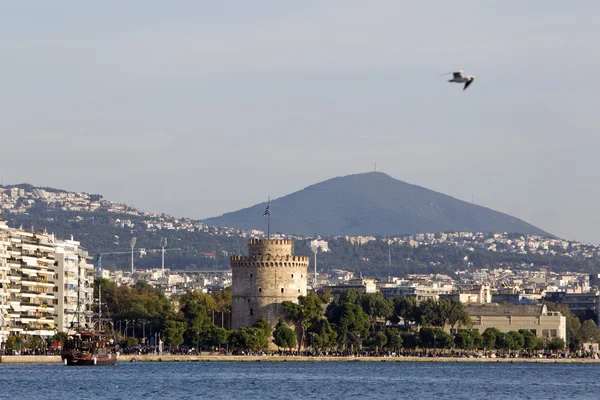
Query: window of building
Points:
[248, 300]
[545, 333]
[259, 290]
[298, 290]
[281, 290]
[552, 332]
[250, 275]
[292, 275]
[251, 311]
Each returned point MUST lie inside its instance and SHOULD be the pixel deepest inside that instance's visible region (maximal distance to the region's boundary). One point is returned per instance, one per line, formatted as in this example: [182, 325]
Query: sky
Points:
[197, 108]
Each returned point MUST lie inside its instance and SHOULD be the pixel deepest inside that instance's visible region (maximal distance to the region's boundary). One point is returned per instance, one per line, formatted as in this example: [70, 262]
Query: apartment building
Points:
[43, 283]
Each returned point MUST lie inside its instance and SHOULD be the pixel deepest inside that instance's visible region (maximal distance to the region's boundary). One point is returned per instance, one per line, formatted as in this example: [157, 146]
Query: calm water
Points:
[289, 380]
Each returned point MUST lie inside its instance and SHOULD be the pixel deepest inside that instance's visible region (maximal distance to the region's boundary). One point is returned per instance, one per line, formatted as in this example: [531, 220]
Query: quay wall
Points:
[220, 358]
[29, 359]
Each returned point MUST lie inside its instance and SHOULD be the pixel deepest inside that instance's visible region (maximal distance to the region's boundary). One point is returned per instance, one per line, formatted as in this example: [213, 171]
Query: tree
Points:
[530, 341]
[409, 340]
[589, 332]
[464, 340]
[505, 341]
[431, 313]
[14, 342]
[322, 335]
[215, 336]
[556, 344]
[489, 338]
[455, 313]
[306, 312]
[265, 326]
[348, 318]
[283, 336]
[573, 325]
[60, 337]
[518, 340]
[405, 309]
[376, 306]
[174, 331]
[379, 340]
[249, 339]
[477, 338]
[435, 337]
[394, 339]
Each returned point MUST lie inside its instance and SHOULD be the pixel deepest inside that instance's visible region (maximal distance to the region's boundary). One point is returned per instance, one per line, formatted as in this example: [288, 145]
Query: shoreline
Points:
[220, 358]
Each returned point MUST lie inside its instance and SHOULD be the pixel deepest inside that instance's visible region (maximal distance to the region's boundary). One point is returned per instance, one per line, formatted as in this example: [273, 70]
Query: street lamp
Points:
[434, 344]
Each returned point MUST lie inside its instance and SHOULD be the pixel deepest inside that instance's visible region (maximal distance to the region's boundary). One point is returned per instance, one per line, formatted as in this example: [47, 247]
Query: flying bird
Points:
[459, 78]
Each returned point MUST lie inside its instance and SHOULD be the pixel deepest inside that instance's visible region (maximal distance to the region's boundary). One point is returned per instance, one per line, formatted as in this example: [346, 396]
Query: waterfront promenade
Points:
[277, 358]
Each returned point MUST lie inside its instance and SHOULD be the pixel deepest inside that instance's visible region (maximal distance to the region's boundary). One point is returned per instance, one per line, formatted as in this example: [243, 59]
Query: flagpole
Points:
[269, 219]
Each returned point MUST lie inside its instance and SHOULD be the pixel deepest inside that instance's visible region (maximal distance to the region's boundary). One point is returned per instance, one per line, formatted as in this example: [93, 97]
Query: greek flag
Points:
[267, 211]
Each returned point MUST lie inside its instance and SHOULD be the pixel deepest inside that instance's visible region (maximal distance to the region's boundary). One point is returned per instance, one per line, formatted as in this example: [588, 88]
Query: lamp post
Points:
[434, 344]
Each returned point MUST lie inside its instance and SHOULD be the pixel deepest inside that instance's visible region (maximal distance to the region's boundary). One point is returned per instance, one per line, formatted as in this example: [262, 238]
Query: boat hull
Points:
[94, 361]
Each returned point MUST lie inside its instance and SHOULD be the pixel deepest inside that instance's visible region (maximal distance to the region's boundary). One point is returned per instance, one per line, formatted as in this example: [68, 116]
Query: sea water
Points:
[301, 380]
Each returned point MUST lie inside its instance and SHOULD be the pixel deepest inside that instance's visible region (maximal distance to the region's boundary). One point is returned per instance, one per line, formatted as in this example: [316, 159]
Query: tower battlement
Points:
[262, 247]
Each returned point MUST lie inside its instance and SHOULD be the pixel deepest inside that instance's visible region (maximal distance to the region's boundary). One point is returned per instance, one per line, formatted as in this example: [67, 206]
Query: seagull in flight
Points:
[458, 77]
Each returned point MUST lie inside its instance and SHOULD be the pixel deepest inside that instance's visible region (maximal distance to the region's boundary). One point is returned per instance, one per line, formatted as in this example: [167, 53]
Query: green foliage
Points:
[455, 313]
[284, 337]
[215, 336]
[409, 340]
[405, 309]
[14, 342]
[464, 340]
[589, 332]
[394, 339]
[265, 326]
[530, 341]
[518, 341]
[556, 344]
[431, 313]
[348, 318]
[376, 306]
[59, 337]
[307, 312]
[249, 339]
[321, 335]
[131, 341]
[379, 340]
[489, 338]
[173, 332]
[435, 337]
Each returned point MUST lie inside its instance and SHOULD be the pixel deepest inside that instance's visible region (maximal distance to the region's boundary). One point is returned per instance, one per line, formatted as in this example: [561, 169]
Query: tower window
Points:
[251, 311]
[249, 299]
[250, 275]
[298, 292]
[259, 290]
[281, 290]
[292, 275]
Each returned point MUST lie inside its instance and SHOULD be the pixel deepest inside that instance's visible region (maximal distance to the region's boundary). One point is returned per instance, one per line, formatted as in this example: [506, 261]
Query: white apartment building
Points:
[41, 280]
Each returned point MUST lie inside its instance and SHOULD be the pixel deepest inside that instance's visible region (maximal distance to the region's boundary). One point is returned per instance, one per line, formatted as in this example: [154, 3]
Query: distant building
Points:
[46, 284]
[583, 305]
[508, 317]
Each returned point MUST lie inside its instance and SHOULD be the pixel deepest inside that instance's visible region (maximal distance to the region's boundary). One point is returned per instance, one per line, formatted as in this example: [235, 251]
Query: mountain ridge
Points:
[372, 203]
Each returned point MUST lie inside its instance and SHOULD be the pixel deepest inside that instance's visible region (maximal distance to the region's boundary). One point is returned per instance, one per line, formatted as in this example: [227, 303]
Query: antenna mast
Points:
[132, 245]
[163, 244]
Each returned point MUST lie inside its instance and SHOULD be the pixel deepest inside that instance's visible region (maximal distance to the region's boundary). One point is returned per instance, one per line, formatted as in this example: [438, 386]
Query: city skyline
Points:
[201, 109]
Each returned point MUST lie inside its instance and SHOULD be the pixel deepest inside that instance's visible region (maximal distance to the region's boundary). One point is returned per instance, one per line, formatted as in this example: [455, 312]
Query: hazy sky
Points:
[196, 108]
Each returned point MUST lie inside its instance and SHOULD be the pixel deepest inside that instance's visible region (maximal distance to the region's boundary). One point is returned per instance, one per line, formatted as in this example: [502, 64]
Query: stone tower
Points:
[267, 276]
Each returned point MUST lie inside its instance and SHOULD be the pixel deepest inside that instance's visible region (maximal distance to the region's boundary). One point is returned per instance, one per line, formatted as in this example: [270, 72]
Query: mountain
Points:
[372, 203]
